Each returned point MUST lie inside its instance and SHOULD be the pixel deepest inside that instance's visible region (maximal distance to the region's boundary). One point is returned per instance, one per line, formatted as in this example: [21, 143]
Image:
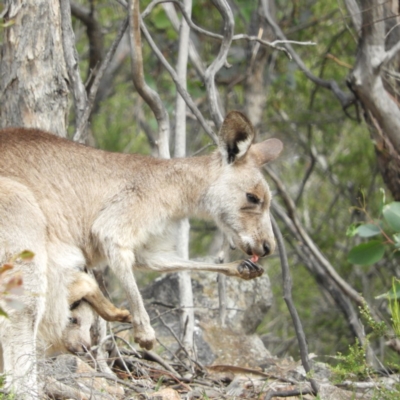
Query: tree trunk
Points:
[185, 282]
[256, 85]
[381, 108]
[34, 80]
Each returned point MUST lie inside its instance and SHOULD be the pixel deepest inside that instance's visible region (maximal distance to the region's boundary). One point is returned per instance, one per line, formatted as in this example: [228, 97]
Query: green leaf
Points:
[383, 200]
[351, 230]
[393, 293]
[391, 213]
[367, 253]
[161, 21]
[368, 230]
[396, 239]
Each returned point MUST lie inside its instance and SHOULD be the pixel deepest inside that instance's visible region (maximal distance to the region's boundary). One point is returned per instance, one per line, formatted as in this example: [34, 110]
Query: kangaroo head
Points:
[240, 198]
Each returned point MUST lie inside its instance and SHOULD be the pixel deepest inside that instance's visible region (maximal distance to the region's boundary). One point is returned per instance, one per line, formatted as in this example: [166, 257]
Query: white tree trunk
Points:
[185, 283]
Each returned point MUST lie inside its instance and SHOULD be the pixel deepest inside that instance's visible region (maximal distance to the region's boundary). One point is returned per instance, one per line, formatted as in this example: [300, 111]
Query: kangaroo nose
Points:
[267, 249]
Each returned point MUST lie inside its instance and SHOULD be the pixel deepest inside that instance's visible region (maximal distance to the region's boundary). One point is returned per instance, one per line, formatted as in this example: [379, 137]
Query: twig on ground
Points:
[287, 393]
[180, 344]
[155, 357]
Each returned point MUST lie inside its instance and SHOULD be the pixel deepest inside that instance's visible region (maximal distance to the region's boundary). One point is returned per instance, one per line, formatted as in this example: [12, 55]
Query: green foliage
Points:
[379, 329]
[382, 393]
[5, 396]
[367, 253]
[352, 366]
[387, 231]
[394, 296]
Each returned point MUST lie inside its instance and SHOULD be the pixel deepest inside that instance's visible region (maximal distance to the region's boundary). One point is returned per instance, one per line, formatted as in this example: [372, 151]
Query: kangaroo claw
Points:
[249, 270]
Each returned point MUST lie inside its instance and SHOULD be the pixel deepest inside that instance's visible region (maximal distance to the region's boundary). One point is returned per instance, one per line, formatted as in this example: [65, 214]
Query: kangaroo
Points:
[85, 299]
[74, 205]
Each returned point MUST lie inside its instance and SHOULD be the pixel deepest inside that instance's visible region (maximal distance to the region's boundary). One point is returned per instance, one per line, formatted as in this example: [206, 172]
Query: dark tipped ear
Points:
[266, 151]
[235, 136]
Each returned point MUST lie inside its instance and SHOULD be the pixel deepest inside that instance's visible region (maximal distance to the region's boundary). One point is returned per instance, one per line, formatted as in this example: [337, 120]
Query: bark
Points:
[256, 85]
[185, 282]
[367, 80]
[219, 61]
[33, 75]
[150, 96]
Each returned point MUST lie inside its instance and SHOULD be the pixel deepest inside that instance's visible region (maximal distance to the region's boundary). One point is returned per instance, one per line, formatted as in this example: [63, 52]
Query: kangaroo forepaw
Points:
[146, 340]
[249, 270]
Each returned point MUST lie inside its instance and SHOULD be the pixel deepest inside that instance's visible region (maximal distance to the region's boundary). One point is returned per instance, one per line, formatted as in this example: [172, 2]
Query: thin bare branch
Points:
[287, 287]
[94, 34]
[81, 129]
[209, 76]
[194, 55]
[355, 15]
[186, 96]
[313, 265]
[71, 59]
[345, 98]
[345, 287]
[149, 95]
[182, 91]
[241, 36]
[390, 54]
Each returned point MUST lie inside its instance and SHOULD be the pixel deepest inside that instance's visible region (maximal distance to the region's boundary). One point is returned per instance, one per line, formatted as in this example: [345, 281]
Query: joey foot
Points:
[249, 270]
[123, 316]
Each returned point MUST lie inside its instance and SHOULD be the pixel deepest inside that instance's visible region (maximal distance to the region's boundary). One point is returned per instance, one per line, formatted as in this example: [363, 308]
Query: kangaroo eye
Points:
[252, 198]
[73, 321]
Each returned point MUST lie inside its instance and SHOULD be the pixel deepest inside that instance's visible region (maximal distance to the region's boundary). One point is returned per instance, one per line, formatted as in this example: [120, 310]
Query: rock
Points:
[247, 303]
[330, 392]
[68, 374]
[165, 394]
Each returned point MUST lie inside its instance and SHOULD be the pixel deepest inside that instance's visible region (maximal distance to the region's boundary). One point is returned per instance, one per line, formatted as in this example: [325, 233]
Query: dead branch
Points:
[71, 59]
[345, 98]
[94, 34]
[150, 96]
[219, 62]
[150, 355]
[186, 96]
[81, 129]
[287, 287]
[194, 55]
[287, 393]
[305, 238]
[341, 299]
[242, 36]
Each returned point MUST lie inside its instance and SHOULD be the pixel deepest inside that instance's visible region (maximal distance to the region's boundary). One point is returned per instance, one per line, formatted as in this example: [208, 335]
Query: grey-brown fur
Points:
[84, 206]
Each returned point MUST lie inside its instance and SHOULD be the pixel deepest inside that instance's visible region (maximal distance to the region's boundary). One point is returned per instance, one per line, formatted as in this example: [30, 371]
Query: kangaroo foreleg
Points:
[169, 262]
[121, 261]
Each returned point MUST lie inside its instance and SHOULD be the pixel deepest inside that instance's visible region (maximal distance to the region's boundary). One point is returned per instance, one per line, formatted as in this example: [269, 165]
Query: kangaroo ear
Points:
[266, 151]
[235, 136]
